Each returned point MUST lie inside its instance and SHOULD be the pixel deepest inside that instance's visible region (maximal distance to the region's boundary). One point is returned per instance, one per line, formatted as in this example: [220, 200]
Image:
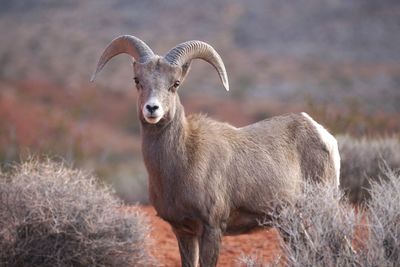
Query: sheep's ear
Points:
[185, 69]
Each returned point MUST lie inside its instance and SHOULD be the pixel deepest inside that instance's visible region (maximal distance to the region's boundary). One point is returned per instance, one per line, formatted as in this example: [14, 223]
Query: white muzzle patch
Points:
[152, 111]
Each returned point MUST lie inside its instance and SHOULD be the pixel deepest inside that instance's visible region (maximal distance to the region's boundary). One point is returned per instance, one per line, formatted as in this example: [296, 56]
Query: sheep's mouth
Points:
[152, 119]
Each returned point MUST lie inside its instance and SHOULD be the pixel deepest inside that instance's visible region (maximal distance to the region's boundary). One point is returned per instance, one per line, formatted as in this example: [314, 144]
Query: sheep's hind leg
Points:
[209, 246]
[188, 249]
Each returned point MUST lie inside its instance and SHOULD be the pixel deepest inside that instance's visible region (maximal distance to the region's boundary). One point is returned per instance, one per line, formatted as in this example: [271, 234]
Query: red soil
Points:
[263, 244]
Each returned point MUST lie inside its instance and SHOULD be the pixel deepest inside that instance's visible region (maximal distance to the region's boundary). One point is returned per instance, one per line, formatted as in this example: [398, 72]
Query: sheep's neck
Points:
[163, 147]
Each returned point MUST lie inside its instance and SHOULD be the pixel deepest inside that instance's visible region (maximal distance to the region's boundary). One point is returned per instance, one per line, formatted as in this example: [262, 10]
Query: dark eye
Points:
[176, 84]
[136, 80]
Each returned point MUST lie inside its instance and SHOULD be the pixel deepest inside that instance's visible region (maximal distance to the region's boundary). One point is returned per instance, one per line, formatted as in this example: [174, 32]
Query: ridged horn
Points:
[127, 44]
[184, 52]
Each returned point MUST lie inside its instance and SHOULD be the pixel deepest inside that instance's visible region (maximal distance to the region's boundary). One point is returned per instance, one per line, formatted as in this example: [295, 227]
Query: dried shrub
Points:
[255, 261]
[317, 229]
[51, 215]
[251, 261]
[320, 230]
[363, 160]
[383, 245]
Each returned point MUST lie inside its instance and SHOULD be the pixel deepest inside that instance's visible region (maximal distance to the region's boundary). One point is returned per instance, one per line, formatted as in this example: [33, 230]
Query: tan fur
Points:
[209, 179]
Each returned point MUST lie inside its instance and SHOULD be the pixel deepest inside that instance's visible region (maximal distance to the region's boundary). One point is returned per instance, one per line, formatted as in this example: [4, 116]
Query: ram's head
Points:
[158, 78]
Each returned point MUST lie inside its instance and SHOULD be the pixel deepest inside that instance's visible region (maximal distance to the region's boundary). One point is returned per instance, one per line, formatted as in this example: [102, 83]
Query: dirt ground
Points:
[264, 244]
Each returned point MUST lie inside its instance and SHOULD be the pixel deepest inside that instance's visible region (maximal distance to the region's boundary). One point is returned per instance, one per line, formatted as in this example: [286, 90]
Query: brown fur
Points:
[209, 179]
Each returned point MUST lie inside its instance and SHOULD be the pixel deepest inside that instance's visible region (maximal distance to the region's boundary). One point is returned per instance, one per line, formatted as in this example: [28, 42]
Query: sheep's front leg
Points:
[209, 246]
[188, 248]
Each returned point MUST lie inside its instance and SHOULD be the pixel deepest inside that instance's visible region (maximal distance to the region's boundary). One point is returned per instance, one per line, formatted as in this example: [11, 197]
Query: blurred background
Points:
[338, 60]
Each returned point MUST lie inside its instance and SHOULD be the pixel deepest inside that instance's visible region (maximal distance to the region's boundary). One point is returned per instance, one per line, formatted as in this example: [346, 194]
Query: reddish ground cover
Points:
[264, 244]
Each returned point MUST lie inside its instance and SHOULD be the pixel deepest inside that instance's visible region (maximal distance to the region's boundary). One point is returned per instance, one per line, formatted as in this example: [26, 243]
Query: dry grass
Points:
[317, 228]
[322, 229]
[51, 215]
[383, 245]
[365, 160]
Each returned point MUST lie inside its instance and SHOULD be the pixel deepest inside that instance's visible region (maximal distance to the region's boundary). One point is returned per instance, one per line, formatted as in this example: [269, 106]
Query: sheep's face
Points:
[157, 82]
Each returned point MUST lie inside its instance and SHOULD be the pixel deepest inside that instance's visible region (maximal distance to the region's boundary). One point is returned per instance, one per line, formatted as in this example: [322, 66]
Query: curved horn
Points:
[124, 44]
[187, 51]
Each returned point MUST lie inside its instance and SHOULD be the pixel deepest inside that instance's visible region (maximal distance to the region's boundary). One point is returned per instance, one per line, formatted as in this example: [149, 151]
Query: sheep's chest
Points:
[171, 199]
[180, 217]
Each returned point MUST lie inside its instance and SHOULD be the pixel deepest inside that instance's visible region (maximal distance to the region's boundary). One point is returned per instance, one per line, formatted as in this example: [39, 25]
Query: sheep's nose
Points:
[152, 108]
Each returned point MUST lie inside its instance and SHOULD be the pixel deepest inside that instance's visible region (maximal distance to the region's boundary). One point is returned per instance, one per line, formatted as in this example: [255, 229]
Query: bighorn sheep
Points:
[208, 178]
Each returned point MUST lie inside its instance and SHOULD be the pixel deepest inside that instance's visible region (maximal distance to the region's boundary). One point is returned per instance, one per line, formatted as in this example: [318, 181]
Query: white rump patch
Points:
[330, 142]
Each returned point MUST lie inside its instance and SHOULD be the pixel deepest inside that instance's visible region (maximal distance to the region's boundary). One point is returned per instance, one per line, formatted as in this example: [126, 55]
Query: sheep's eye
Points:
[176, 84]
[136, 80]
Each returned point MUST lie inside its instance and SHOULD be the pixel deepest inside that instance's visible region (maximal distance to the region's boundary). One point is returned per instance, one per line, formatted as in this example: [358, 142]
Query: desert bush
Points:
[252, 261]
[383, 244]
[317, 229]
[363, 160]
[52, 215]
[320, 230]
